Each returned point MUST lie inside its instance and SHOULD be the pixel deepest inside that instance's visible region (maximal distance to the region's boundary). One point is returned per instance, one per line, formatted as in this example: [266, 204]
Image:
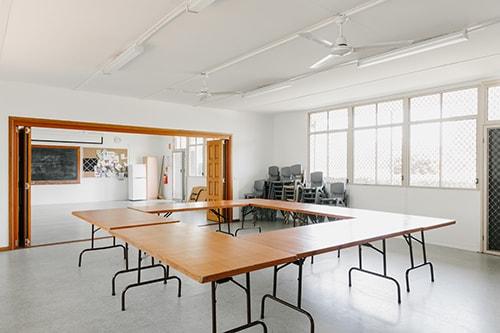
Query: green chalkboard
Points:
[55, 165]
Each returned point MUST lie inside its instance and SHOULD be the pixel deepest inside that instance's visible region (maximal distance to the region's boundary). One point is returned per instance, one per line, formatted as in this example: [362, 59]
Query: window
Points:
[180, 142]
[494, 103]
[443, 139]
[196, 152]
[328, 143]
[377, 149]
[428, 141]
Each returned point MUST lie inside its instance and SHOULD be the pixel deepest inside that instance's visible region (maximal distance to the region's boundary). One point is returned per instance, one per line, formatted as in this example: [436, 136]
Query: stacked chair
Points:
[314, 192]
[259, 191]
[288, 184]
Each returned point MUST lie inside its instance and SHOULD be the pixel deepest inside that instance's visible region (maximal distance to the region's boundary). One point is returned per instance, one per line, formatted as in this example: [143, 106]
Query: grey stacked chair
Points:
[336, 195]
[297, 173]
[314, 192]
[273, 174]
[286, 174]
[259, 191]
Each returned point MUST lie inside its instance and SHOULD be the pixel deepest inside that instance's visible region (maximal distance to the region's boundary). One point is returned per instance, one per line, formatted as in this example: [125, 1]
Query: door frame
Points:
[14, 122]
[484, 231]
[184, 175]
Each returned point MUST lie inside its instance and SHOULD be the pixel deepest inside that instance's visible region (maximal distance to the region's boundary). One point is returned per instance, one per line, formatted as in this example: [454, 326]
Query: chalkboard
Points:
[55, 165]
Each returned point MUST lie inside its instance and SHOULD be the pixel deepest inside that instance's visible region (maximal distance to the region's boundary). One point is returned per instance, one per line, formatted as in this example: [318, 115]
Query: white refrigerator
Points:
[137, 182]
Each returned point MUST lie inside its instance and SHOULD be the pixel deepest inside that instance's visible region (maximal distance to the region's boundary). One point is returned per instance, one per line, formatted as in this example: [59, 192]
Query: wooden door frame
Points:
[15, 122]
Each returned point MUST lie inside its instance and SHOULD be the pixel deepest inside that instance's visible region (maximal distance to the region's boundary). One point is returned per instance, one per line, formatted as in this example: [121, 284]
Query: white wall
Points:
[290, 146]
[93, 189]
[251, 132]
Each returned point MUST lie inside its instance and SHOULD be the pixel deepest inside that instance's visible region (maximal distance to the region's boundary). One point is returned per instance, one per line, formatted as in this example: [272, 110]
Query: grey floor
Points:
[43, 290]
[54, 223]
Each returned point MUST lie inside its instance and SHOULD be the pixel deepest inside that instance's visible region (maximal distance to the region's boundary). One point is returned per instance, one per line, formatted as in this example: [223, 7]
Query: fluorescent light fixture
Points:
[197, 6]
[265, 90]
[123, 58]
[424, 46]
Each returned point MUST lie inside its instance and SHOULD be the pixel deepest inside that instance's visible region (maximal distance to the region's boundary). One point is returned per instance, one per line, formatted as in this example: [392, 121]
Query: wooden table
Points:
[205, 257]
[362, 230]
[215, 207]
[118, 218]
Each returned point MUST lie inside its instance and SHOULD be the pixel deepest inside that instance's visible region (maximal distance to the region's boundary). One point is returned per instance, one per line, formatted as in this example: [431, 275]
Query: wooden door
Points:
[215, 173]
[24, 186]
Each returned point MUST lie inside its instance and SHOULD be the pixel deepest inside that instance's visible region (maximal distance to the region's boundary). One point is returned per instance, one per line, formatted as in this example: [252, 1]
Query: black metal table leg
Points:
[246, 288]
[244, 213]
[384, 275]
[421, 241]
[275, 298]
[142, 283]
[93, 248]
[221, 217]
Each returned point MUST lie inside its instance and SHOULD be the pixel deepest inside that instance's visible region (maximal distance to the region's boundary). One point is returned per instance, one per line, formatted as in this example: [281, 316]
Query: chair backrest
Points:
[274, 173]
[259, 188]
[286, 174]
[317, 179]
[198, 193]
[337, 189]
[296, 170]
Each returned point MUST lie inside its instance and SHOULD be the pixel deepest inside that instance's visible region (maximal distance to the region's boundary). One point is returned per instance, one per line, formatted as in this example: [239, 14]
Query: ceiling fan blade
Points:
[321, 62]
[311, 37]
[398, 43]
[181, 91]
[222, 93]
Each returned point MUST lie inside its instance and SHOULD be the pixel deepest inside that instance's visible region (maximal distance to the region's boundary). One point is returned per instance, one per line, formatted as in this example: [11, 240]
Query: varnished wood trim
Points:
[89, 126]
[57, 182]
[13, 191]
[5, 248]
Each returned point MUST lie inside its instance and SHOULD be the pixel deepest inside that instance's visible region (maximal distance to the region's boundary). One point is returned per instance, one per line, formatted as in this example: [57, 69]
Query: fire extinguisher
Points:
[165, 176]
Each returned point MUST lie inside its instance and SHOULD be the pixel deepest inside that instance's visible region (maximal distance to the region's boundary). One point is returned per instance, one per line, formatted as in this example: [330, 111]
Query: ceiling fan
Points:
[341, 47]
[205, 93]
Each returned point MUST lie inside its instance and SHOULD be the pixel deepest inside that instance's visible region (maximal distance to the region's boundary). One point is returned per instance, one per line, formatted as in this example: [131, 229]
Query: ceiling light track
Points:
[269, 46]
[417, 48]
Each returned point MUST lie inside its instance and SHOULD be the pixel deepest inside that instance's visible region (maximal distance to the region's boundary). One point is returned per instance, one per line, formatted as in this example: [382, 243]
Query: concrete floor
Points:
[43, 290]
[54, 223]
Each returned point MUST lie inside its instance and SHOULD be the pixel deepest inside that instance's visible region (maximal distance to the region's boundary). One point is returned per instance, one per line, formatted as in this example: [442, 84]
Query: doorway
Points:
[19, 178]
[492, 211]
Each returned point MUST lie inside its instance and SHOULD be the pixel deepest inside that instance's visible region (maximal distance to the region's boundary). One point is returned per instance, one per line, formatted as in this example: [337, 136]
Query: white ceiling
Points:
[65, 42]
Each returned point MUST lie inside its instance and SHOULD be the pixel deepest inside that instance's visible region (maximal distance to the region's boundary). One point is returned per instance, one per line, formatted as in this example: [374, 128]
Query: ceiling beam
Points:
[468, 30]
[5, 8]
[283, 40]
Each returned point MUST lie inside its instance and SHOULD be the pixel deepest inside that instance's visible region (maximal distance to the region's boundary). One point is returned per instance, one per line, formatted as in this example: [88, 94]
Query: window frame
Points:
[203, 146]
[376, 127]
[481, 118]
[327, 132]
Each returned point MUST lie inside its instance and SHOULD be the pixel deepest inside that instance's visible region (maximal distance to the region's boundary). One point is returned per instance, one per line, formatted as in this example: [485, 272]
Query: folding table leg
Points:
[421, 241]
[141, 283]
[244, 213]
[93, 248]
[273, 296]
[246, 288]
[383, 252]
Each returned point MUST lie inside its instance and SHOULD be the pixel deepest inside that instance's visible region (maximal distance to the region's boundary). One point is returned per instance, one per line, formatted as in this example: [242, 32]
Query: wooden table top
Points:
[167, 207]
[320, 238]
[110, 219]
[203, 255]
